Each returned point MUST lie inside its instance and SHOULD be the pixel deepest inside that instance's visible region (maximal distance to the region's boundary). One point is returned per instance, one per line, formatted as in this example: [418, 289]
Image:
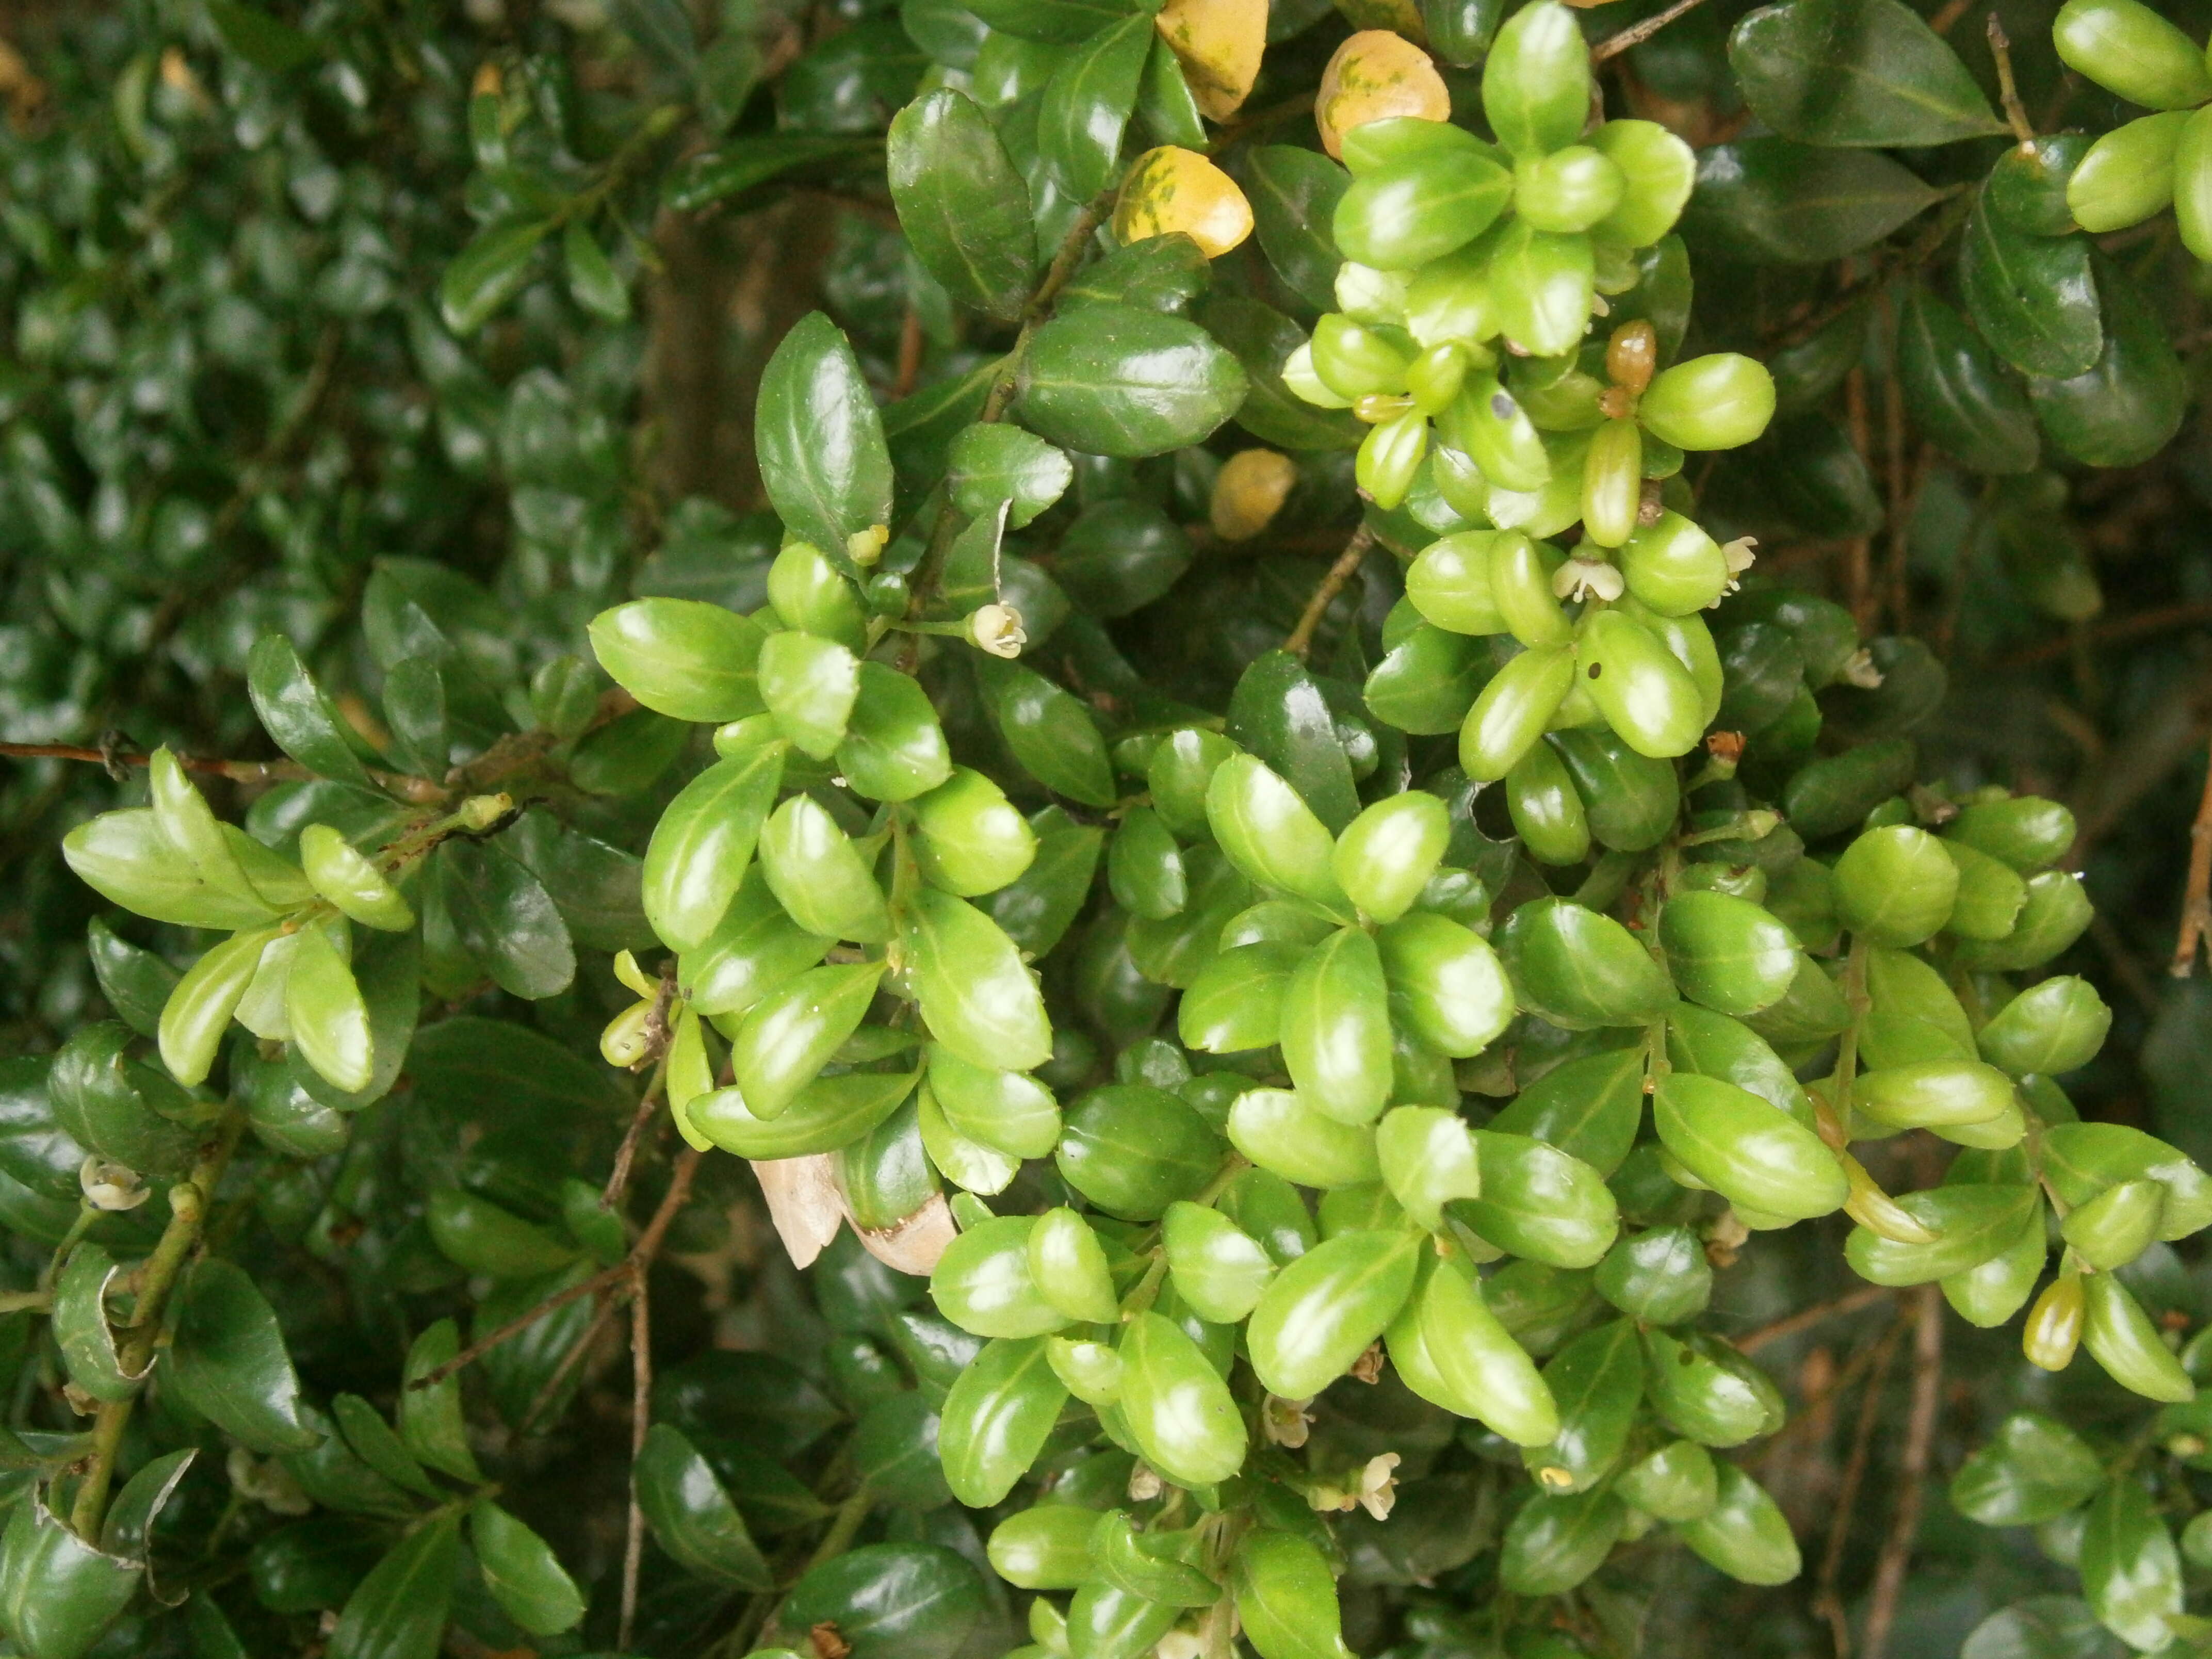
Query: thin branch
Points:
[641, 1413]
[157, 1276]
[630, 1266]
[551, 1387]
[1301, 638]
[2015, 112]
[2197, 896]
[1827, 1600]
[1849, 1302]
[602, 1280]
[1637, 34]
[1919, 1442]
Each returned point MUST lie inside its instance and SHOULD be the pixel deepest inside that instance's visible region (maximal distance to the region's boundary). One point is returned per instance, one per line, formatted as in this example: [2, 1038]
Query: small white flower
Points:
[1285, 1422]
[997, 628]
[1145, 1485]
[1740, 558]
[1378, 1485]
[1860, 671]
[1180, 1645]
[1583, 579]
[110, 1186]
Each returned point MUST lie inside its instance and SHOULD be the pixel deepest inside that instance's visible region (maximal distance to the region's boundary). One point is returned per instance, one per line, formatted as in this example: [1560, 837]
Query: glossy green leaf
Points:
[1872, 75]
[691, 1514]
[819, 439]
[229, 1363]
[961, 203]
[1113, 380]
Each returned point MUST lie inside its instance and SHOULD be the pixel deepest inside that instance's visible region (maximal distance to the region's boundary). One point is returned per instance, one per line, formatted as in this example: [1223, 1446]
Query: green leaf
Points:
[663, 27]
[1278, 712]
[1294, 193]
[1158, 273]
[489, 272]
[267, 43]
[2130, 1571]
[894, 1450]
[430, 1419]
[2129, 404]
[1772, 201]
[739, 164]
[229, 1361]
[1037, 909]
[398, 1612]
[1112, 380]
[295, 713]
[136, 983]
[963, 203]
[1051, 732]
[459, 1065]
[1855, 73]
[593, 281]
[57, 1594]
[505, 920]
[2035, 298]
[2032, 1470]
[1002, 463]
[979, 998]
[1956, 391]
[693, 1517]
[2042, 1627]
[597, 889]
[1087, 103]
[819, 440]
[1059, 22]
[1260, 338]
[891, 1601]
[523, 1574]
[81, 1329]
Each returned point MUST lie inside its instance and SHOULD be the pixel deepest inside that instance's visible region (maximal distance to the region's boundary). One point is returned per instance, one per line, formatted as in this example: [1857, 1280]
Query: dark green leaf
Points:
[229, 1362]
[819, 440]
[489, 272]
[1049, 731]
[1279, 714]
[1262, 337]
[1087, 103]
[1957, 393]
[891, 1601]
[267, 43]
[2035, 298]
[961, 203]
[505, 920]
[295, 713]
[692, 1516]
[2130, 404]
[739, 164]
[399, 1610]
[1856, 73]
[524, 1577]
[1294, 193]
[1112, 380]
[1772, 201]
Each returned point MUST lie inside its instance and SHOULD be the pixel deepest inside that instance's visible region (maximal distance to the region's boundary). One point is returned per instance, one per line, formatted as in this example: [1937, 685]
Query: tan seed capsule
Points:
[1631, 356]
[1249, 491]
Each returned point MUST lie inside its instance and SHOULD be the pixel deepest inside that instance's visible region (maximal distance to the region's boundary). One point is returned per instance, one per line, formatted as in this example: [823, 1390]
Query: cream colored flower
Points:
[997, 628]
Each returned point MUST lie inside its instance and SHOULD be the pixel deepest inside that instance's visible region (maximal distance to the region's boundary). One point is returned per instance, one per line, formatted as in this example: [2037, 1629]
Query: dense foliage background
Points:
[417, 335]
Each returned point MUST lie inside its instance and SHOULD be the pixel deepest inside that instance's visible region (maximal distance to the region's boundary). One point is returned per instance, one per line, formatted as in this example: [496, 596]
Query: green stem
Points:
[188, 1206]
[842, 1529]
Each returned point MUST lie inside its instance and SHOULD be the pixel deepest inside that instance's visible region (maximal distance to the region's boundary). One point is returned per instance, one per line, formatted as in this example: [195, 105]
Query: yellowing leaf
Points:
[1170, 190]
[1374, 75]
[1218, 43]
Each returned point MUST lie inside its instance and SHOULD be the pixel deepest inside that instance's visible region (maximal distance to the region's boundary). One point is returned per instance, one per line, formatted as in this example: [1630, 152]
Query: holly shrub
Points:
[905, 830]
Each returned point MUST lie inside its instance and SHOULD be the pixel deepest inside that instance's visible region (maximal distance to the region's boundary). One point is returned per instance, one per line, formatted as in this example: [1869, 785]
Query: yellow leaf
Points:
[1402, 16]
[1373, 76]
[1249, 491]
[1218, 43]
[1170, 190]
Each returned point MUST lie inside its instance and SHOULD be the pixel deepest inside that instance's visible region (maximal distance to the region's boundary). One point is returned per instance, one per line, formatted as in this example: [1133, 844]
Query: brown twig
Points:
[1300, 639]
[245, 772]
[1919, 1442]
[640, 1412]
[1849, 1302]
[2015, 112]
[1826, 1601]
[2197, 896]
[1638, 33]
[1956, 204]
[649, 1103]
[551, 1387]
[631, 1266]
